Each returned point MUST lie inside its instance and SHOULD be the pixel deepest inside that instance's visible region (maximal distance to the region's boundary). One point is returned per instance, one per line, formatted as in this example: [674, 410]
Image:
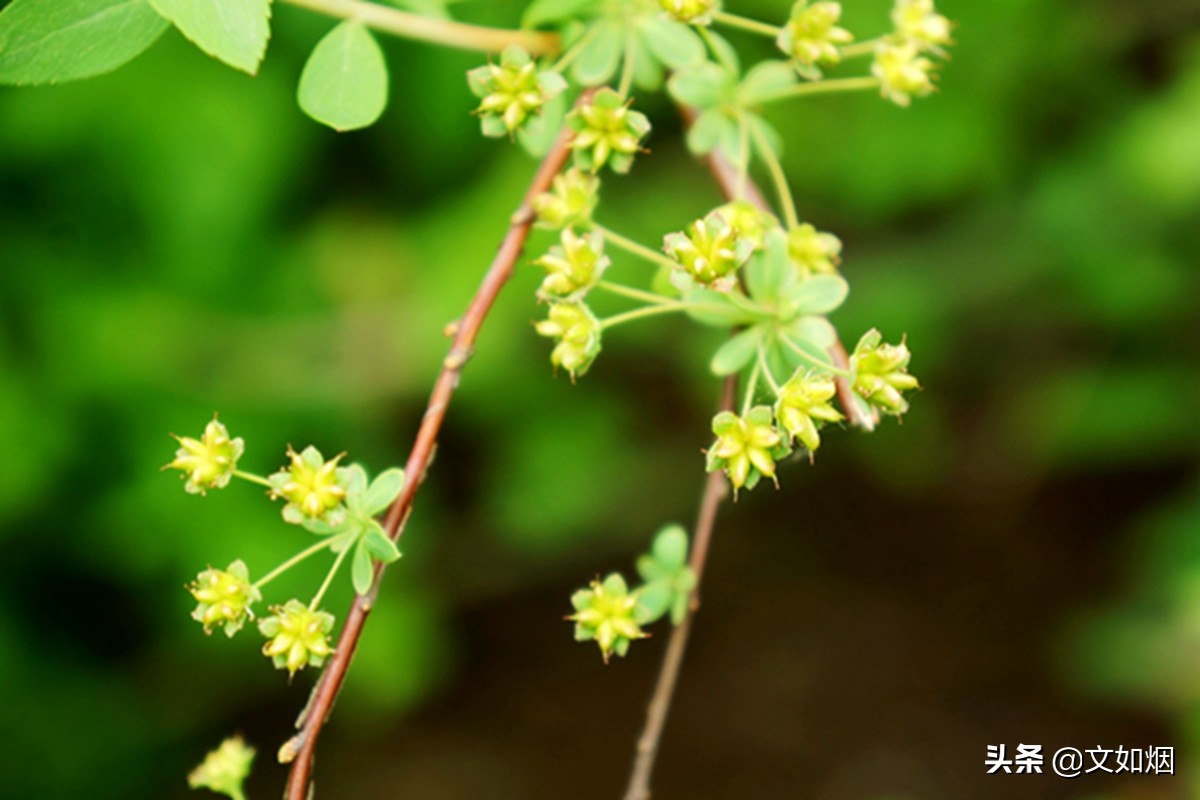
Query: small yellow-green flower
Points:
[207, 462]
[917, 21]
[313, 487]
[607, 613]
[709, 251]
[803, 406]
[607, 131]
[811, 37]
[814, 251]
[297, 636]
[574, 267]
[748, 221]
[224, 597]
[225, 769]
[693, 12]
[577, 332]
[746, 447]
[902, 71]
[571, 200]
[881, 373]
[511, 91]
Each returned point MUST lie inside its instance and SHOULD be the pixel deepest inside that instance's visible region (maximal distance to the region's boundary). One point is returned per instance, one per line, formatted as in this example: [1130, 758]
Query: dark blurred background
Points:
[1018, 562]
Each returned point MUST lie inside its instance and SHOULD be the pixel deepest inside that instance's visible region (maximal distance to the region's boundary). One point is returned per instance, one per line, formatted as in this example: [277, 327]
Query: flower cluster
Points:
[208, 462]
[574, 267]
[607, 131]
[511, 91]
[225, 769]
[570, 202]
[747, 446]
[881, 373]
[312, 487]
[224, 597]
[811, 37]
[903, 69]
[814, 251]
[297, 636]
[709, 252]
[576, 332]
[693, 12]
[607, 613]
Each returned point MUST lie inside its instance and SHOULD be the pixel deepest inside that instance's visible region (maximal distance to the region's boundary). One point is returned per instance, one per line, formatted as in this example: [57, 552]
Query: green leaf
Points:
[361, 572]
[538, 134]
[383, 491]
[718, 310]
[50, 41]
[819, 294]
[552, 12]
[598, 59]
[670, 547]
[770, 274]
[816, 330]
[379, 545]
[654, 600]
[345, 82]
[709, 129]
[702, 86]
[674, 44]
[736, 352]
[234, 31]
[764, 80]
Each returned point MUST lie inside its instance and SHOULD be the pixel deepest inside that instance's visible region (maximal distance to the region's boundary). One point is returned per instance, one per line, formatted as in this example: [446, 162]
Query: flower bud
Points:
[710, 251]
[225, 769]
[511, 91]
[814, 251]
[578, 333]
[207, 462]
[574, 267]
[224, 597]
[607, 131]
[811, 37]
[918, 22]
[606, 612]
[313, 487]
[902, 71]
[803, 406]
[571, 200]
[693, 12]
[881, 373]
[746, 447]
[297, 636]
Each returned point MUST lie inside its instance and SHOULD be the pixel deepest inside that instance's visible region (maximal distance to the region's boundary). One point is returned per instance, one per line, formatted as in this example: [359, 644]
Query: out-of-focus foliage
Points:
[177, 238]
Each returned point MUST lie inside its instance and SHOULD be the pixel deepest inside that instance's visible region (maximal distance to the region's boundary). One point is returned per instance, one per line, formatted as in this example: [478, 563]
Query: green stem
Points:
[630, 246]
[325, 543]
[745, 24]
[655, 310]
[252, 478]
[718, 52]
[431, 29]
[627, 68]
[816, 362]
[777, 177]
[766, 368]
[634, 294]
[751, 387]
[829, 86]
[859, 49]
[337, 563]
[743, 167]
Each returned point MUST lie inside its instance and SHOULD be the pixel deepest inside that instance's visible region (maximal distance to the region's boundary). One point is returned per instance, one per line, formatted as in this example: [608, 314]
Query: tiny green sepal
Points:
[225, 769]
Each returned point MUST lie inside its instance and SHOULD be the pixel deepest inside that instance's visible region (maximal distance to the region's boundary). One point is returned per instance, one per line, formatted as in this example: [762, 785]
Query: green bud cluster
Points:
[297, 636]
[811, 37]
[693, 12]
[511, 91]
[709, 252]
[574, 267]
[749, 222]
[803, 405]
[312, 487]
[606, 612]
[576, 332]
[747, 447]
[881, 373]
[572, 198]
[903, 69]
[607, 131]
[225, 769]
[814, 251]
[208, 462]
[224, 598]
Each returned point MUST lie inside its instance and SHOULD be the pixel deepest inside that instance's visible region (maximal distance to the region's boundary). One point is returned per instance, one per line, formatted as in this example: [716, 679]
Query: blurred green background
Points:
[1019, 562]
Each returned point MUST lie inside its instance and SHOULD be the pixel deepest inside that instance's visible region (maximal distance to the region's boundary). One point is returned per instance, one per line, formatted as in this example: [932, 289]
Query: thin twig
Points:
[715, 489]
[445, 32]
[300, 748]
